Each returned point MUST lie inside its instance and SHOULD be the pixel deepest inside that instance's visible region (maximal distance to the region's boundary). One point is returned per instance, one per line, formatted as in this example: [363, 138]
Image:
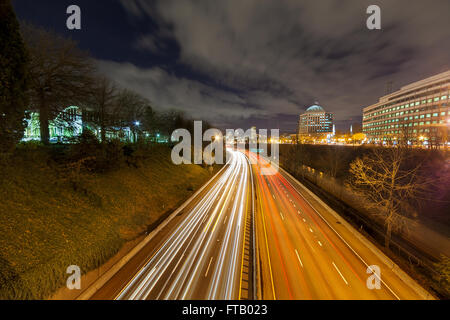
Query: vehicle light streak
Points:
[201, 258]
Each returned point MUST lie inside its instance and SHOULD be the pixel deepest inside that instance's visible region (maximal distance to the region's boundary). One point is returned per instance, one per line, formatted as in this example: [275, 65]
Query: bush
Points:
[96, 156]
[443, 276]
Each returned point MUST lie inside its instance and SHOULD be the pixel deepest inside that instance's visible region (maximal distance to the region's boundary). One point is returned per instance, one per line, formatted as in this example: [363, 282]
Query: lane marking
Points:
[243, 246]
[331, 227]
[282, 217]
[165, 223]
[267, 244]
[142, 284]
[209, 265]
[272, 217]
[320, 243]
[176, 266]
[340, 274]
[298, 257]
[311, 230]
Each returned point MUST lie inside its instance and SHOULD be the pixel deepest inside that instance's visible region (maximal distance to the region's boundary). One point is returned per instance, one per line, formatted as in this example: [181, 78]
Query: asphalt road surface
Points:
[305, 253]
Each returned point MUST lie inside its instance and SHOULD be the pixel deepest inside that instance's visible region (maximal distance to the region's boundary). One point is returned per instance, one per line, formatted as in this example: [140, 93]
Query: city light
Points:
[231, 183]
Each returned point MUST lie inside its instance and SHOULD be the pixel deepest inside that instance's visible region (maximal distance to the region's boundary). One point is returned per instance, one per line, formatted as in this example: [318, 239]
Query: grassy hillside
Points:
[53, 215]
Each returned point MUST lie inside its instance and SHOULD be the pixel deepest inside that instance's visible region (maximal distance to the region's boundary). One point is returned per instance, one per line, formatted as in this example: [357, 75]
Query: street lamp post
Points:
[136, 124]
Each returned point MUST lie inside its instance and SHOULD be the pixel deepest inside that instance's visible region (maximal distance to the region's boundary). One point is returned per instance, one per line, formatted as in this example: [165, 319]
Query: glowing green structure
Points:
[69, 124]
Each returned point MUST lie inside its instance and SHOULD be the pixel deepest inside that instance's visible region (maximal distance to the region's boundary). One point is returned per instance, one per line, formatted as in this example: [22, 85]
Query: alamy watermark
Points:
[234, 139]
[374, 20]
[374, 280]
[74, 280]
[73, 22]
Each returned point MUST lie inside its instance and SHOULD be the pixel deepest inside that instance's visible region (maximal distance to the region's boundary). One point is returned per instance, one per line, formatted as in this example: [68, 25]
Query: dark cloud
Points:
[283, 55]
[262, 62]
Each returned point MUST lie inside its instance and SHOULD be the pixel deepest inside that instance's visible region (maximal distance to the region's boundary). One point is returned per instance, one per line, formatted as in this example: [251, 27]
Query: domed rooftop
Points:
[315, 108]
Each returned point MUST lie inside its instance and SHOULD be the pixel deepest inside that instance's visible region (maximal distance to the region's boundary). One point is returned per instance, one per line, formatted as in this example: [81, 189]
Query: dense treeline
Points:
[45, 72]
[13, 79]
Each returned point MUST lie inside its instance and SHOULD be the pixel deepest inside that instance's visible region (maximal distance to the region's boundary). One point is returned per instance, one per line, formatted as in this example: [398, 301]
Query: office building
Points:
[315, 121]
[416, 114]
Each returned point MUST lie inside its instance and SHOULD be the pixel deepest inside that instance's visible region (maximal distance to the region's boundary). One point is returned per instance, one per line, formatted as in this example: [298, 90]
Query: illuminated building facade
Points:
[416, 114]
[66, 125]
[315, 121]
[70, 124]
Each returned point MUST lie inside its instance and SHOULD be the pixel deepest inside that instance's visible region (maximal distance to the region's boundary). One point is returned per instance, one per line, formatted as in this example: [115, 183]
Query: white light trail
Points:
[177, 269]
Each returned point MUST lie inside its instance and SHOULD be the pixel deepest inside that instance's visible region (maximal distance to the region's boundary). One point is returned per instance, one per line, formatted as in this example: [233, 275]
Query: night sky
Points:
[240, 63]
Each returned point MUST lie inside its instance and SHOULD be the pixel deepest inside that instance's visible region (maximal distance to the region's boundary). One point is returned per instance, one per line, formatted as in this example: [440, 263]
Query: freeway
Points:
[306, 253]
[200, 255]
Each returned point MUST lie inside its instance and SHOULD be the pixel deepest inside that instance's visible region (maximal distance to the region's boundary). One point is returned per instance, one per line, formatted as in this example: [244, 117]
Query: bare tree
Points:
[173, 119]
[333, 159]
[387, 183]
[132, 108]
[151, 121]
[298, 156]
[103, 100]
[437, 135]
[405, 138]
[60, 74]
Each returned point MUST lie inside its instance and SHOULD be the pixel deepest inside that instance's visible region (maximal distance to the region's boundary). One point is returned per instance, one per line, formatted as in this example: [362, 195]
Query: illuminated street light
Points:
[137, 123]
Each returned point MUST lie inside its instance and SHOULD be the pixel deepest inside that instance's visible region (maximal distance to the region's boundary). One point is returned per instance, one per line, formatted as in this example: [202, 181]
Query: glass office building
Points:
[416, 114]
[315, 121]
